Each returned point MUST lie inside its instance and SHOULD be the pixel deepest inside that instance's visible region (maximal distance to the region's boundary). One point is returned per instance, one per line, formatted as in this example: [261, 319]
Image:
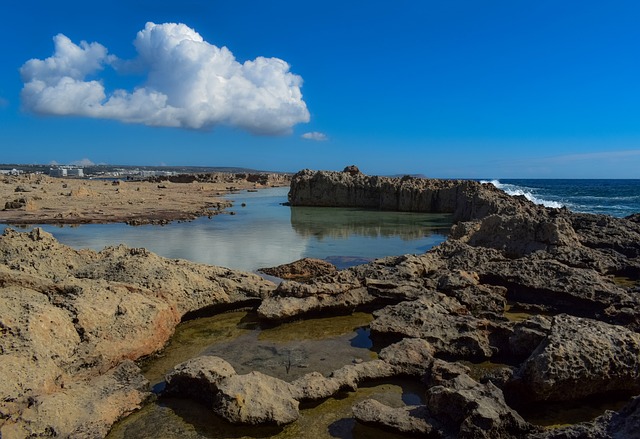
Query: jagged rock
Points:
[351, 170]
[301, 270]
[410, 420]
[256, 398]
[198, 378]
[461, 408]
[468, 409]
[445, 323]
[579, 358]
[527, 336]
[410, 356]
[463, 198]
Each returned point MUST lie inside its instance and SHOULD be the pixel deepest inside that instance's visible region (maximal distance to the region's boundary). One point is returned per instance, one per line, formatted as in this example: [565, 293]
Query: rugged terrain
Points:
[522, 305]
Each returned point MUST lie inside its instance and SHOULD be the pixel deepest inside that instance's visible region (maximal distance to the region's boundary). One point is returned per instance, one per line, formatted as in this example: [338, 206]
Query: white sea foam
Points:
[514, 190]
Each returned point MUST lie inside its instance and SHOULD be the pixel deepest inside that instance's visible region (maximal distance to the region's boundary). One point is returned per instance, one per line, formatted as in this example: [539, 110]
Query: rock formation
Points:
[552, 297]
[71, 321]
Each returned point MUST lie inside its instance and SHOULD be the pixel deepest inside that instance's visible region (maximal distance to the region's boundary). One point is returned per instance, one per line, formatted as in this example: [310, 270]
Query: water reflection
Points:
[342, 223]
[264, 233]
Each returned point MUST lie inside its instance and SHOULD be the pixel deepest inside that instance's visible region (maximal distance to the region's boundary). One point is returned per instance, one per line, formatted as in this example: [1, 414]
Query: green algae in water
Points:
[180, 418]
[291, 350]
[321, 344]
[316, 329]
[192, 338]
[515, 313]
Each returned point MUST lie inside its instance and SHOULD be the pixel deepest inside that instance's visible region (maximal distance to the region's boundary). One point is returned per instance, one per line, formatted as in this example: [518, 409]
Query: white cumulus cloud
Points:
[315, 135]
[190, 84]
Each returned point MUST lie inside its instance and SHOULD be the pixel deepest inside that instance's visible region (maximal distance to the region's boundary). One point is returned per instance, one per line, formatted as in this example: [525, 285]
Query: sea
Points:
[617, 198]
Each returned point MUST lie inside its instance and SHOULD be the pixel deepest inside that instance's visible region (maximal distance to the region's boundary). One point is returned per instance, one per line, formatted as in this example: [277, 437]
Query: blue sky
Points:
[469, 89]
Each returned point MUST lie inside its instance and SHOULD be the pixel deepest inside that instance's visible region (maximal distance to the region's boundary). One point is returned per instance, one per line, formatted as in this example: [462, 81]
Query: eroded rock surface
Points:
[579, 358]
[301, 270]
[551, 295]
[70, 318]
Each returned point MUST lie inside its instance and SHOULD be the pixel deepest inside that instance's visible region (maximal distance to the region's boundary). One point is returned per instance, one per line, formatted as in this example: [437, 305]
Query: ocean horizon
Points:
[615, 197]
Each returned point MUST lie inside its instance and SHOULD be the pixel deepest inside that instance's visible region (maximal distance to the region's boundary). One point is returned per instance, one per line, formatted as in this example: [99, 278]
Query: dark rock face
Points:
[464, 199]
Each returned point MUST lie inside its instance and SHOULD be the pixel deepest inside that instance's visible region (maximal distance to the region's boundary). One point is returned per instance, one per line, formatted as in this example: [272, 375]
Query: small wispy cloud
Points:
[315, 135]
[190, 83]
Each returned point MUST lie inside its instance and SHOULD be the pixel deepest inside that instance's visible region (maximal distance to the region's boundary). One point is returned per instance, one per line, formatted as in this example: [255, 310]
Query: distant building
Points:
[10, 172]
[66, 172]
[58, 172]
[75, 172]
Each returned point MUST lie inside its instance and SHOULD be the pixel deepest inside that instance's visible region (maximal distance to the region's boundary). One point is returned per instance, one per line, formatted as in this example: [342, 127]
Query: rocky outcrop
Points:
[464, 199]
[551, 295]
[80, 409]
[256, 398]
[70, 319]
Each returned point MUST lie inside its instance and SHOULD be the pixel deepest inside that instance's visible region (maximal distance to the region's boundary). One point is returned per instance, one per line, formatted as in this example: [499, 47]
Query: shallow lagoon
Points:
[265, 233]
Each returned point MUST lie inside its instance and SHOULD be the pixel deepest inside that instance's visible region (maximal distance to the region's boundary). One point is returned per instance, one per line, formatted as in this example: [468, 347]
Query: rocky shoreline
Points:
[73, 322]
[40, 199]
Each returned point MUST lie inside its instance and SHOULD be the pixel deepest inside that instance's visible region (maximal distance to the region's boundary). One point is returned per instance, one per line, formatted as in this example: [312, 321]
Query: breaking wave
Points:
[528, 193]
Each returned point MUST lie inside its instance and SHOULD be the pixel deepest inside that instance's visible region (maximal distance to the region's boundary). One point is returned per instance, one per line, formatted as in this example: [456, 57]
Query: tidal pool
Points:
[286, 351]
[266, 233]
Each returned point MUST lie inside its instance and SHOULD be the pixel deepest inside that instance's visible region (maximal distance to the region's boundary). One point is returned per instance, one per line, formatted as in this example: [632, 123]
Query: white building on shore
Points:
[66, 172]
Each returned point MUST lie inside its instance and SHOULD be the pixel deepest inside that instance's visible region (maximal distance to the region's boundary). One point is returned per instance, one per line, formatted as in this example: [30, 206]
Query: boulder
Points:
[442, 321]
[256, 399]
[301, 270]
[580, 358]
[468, 409]
[409, 420]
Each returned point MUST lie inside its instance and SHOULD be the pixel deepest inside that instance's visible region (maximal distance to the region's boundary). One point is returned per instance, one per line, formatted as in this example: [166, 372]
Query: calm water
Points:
[264, 233]
[612, 197]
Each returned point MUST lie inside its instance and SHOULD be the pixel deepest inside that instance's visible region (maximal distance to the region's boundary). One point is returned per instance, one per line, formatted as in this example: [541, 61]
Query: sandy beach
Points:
[40, 199]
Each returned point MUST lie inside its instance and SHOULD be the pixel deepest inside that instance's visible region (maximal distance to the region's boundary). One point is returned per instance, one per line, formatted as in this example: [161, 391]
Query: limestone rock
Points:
[70, 316]
[445, 323]
[256, 399]
[462, 198]
[579, 358]
[624, 423]
[84, 409]
[410, 420]
[468, 409]
[198, 378]
[410, 356]
[301, 270]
